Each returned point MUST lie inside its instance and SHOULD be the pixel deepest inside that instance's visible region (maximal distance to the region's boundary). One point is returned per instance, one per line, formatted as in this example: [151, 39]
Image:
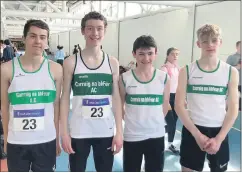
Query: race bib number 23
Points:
[28, 120]
[95, 108]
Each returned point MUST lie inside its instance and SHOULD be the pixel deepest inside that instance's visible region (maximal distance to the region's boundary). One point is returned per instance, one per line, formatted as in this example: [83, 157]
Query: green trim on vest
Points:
[208, 71]
[144, 82]
[33, 71]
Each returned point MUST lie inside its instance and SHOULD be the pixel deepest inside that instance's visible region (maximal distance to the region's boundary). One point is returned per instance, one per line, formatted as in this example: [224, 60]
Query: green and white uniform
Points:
[144, 116]
[92, 115]
[31, 96]
[206, 94]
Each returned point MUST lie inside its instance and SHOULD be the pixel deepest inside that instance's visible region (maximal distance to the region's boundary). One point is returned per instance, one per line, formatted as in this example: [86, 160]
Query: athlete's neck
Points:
[92, 52]
[173, 64]
[208, 62]
[31, 60]
[148, 71]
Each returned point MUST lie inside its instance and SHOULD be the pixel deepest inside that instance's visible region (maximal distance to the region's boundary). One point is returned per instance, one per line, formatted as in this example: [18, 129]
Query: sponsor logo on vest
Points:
[197, 77]
[19, 75]
[83, 77]
[131, 86]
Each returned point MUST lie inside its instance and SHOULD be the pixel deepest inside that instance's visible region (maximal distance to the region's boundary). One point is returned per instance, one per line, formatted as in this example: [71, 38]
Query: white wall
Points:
[64, 41]
[110, 42]
[226, 15]
[170, 29]
[53, 42]
[76, 37]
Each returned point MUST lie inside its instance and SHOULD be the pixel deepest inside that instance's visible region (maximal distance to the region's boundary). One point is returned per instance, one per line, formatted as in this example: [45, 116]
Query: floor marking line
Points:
[236, 129]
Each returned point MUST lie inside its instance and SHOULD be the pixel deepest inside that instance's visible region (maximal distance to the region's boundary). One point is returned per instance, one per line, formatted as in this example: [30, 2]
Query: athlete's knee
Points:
[185, 169]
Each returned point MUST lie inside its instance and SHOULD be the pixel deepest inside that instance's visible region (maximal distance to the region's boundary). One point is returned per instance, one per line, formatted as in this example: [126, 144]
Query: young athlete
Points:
[145, 95]
[206, 83]
[172, 69]
[93, 77]
[30, 91]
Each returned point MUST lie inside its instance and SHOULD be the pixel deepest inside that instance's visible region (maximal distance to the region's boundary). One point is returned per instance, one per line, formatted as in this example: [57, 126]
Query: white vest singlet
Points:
[31, 96]
[206, 94]
[144, 117]
[92, 114]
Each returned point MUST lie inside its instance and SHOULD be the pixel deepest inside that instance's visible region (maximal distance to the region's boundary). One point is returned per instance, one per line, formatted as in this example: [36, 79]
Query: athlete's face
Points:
[36, 41]
[238, 48]
[94, 32]
[145, 56]
[173, 56]
[209, 45]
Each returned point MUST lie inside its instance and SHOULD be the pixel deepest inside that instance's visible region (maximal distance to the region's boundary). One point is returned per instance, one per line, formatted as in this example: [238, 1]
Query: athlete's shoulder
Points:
[54, 65]
[55, 68]
[159, 71]
[7, 68]
[8, 64]
[161, 75]
[127, 73]
[114, 64]
[71, 58]
[223, 63]
[191, 63]
[69, 62]
[113, 60]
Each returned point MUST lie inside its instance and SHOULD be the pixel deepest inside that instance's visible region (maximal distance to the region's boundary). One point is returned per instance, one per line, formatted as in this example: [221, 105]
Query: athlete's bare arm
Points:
[166, 96]
[231, 115]
[122, 94]
[183, 113]
[68, 69]
[6, 77]
[163, 68]
[117, 109]
[233, 104]
[57, 74]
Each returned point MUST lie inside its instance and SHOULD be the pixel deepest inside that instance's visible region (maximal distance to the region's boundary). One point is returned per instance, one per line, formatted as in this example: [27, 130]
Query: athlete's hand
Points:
[66, 144]
[58, 148]
[212, 145]
[201, 140]
[5, 148]
[117, 143]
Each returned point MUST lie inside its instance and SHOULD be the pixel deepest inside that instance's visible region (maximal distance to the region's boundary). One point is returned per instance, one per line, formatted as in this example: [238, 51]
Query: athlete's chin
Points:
[211, 55]
[37, 53]
[94, 44]
[147, 64]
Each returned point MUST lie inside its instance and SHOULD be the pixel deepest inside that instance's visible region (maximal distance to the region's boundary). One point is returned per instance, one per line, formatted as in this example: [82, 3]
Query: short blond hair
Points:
[210, 30]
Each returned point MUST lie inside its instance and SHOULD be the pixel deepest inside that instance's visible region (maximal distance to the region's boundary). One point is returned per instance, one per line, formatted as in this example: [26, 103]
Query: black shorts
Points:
[60, 61]
[35, 157]
[153, 151]
[102, 152]
[193, 157]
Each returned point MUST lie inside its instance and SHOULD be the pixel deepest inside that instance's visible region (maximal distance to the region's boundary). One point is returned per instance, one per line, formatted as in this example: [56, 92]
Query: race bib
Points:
[28, 120]
[96, 108]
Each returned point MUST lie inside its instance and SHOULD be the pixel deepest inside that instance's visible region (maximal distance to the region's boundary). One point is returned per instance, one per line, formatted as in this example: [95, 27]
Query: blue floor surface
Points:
[171, 161]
